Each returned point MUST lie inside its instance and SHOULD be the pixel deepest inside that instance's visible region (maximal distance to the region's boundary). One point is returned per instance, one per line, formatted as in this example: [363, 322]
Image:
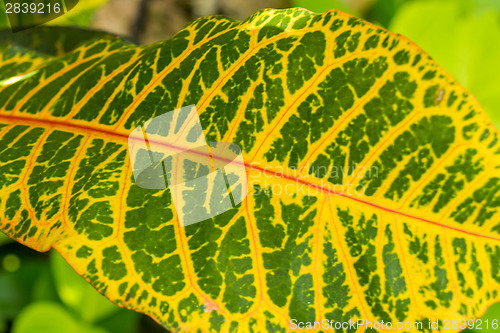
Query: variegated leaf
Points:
[373, 175]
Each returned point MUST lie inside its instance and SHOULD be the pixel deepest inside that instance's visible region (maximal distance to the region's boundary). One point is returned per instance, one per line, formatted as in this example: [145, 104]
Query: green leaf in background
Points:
[50, 317]
[24, 278]
[4, 239]
[32, 280]
[44, 288]
[4, 21]
[77, 294]
[79, 15]
[382, 11]
[320, 6]
[492, 314]
[124, 321]
[464, 37]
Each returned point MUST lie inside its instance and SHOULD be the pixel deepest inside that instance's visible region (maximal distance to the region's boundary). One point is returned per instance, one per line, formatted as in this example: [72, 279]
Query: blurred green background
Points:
[40, 292]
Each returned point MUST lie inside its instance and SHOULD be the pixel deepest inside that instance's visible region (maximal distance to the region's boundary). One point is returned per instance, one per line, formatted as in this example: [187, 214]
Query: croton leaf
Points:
[373, 176]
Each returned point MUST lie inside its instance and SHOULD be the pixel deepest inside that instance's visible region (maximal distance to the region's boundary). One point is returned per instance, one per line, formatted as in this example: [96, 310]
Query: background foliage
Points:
[40, 288]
